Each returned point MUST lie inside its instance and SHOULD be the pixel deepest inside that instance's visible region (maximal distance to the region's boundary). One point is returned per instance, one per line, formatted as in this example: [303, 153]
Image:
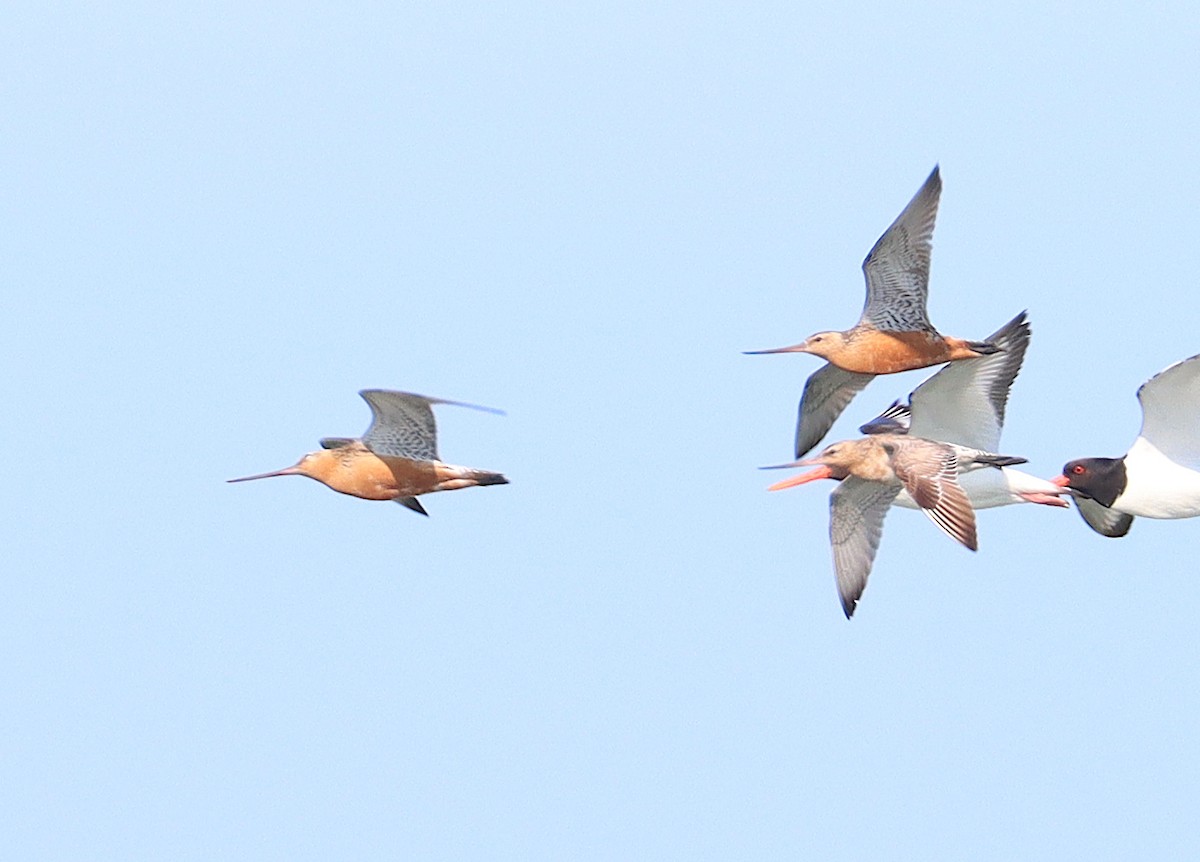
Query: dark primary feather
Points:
[412, 503]
[896, 419]
[1102, 519]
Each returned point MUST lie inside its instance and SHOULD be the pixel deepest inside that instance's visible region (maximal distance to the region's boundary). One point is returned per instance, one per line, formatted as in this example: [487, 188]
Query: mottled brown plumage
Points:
[872, 471]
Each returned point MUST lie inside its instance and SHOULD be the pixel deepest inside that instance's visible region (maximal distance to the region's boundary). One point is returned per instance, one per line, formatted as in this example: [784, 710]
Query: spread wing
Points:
[826, 394]
[929, 472]
[402, 425]
[1171, 412]
[897, 268]
[1102, 519]
[964, 403]
[856, 512]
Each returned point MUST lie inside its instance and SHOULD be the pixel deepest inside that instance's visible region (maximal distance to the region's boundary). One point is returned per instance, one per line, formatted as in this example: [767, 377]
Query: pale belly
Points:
[988, 488]
[1157, 487]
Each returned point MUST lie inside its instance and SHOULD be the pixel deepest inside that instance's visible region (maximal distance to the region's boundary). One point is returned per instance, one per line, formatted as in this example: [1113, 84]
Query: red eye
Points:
[1078, 469]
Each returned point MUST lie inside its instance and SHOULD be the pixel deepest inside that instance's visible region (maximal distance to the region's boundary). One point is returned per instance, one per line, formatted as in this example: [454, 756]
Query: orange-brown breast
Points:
[872, 351]
[361, 473]
[412, 478]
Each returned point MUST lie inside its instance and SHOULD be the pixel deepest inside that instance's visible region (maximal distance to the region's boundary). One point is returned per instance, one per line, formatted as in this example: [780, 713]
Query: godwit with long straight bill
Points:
[396, 459]
[873, 470]
[893, 334]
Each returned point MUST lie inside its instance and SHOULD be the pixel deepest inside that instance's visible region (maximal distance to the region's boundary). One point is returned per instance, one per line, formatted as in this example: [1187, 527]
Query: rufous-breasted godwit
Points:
[396, 459]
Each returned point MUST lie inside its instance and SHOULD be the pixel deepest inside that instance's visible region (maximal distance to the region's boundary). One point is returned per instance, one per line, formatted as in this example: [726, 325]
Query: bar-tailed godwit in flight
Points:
[892, 335]
[396, 459]
[1160, 475]
[873, 470]
[964, 403]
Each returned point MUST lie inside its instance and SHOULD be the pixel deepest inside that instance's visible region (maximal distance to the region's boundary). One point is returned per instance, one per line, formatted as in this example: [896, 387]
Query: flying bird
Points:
[892, 335]
[964, 403]
[873, 470]
[396, 459]
[1159, 477]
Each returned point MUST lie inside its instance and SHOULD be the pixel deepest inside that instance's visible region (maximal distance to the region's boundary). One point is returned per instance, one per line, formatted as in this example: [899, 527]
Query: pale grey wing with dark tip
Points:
[929, 472]
[897, 268]
[1102, 519]
[412, 503]
[1171, 412]
[826, 394]
[402, 425]
[965, 402]
[856, 512]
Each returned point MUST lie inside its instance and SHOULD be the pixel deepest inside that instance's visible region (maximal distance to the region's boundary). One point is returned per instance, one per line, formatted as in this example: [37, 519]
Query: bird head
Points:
[315, 465]
[823, 344]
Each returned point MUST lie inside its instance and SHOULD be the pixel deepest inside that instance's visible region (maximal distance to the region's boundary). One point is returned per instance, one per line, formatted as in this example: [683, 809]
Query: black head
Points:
[1099, 479]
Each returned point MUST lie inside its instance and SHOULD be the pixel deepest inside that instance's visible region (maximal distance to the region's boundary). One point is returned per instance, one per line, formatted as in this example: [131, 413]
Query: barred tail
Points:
[454, 478]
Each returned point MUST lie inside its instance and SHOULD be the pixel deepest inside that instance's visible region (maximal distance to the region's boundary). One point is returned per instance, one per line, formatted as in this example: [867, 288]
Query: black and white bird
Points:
[1159, 477]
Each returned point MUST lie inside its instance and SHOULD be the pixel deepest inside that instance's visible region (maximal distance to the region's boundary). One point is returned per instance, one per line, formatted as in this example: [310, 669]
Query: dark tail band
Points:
[984, 348]
[1002, 460]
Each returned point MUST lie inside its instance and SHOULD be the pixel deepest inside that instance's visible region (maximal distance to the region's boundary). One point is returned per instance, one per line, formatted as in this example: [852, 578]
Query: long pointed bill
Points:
[795, 348]
[821, 472]
[286, 471]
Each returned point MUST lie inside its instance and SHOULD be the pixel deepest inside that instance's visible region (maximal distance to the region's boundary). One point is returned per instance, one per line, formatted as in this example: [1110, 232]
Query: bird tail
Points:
[452, 477]
[1000, 460]
[984, 348]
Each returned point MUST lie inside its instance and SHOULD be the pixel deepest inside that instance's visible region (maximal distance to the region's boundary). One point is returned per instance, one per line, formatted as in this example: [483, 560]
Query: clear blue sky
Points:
[221, 222]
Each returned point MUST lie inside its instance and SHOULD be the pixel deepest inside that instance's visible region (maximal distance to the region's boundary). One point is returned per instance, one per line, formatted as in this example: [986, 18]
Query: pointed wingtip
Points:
[934, 181]
[413, 505]
[367, 395]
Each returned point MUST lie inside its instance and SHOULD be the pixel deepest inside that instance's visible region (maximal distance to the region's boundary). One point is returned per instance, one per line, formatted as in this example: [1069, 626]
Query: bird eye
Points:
[1078, 469]
[817, 338]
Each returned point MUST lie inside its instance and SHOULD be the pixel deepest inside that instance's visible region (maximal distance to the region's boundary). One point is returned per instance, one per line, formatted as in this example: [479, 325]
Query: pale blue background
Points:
[220, 221]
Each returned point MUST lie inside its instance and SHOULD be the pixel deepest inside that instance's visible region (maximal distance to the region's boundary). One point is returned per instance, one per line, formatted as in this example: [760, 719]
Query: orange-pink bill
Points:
[821, 472]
